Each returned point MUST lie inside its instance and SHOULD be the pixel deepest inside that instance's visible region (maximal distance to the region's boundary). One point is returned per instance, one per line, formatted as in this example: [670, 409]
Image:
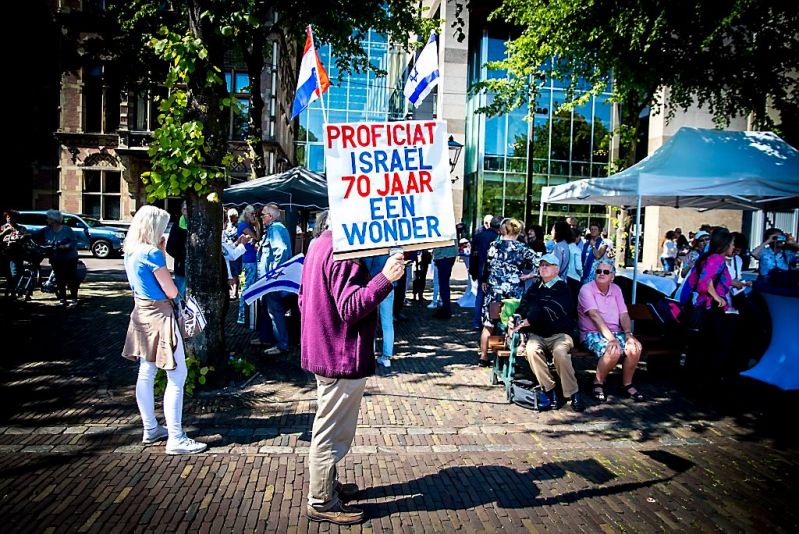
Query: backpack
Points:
[527, 395]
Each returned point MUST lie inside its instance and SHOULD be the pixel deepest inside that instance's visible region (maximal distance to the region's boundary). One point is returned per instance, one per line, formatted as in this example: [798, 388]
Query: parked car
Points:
[104, 241]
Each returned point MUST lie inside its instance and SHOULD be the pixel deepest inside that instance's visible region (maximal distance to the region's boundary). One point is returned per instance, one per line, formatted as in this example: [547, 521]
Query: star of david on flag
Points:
[284, 277]
[424, 74]
[312, 81]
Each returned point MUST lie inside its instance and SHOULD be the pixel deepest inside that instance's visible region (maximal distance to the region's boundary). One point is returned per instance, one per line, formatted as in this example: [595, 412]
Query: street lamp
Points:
[454, 153]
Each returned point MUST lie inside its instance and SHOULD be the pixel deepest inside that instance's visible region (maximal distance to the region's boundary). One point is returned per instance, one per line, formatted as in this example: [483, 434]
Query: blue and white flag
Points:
[424, 75]
[285, 277]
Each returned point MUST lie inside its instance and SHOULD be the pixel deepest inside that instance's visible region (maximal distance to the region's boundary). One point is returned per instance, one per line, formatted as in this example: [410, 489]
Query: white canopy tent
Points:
[697, 168]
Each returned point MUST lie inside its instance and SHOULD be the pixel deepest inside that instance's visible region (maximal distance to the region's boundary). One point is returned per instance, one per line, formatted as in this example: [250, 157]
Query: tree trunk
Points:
[630, 119]
[205, 276]
[255, 66]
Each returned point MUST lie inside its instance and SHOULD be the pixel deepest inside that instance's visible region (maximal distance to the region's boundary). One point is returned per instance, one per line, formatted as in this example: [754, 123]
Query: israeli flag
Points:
[424, 75]
[285, 277]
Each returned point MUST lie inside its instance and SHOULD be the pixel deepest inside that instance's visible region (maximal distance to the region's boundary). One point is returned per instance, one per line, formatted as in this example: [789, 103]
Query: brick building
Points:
[104, 128]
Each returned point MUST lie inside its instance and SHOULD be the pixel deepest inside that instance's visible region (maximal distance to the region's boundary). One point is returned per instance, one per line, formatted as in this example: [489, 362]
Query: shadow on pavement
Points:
[506, 487]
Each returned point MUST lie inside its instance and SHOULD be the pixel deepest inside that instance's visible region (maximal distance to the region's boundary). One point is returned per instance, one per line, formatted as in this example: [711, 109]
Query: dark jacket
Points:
[548, 309]
[176, 247]
[480, 243]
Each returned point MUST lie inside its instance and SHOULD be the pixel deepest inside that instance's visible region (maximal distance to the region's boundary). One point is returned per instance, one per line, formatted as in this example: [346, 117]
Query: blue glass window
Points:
[316, 157]
[242, 82]
[495, 51]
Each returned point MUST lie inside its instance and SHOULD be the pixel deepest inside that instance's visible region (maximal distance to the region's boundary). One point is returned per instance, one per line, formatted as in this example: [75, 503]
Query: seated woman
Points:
[605, 330]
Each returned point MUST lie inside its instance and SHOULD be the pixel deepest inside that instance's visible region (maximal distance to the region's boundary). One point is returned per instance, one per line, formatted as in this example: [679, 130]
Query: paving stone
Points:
[50, 430]
[17, 430]
[130, 449]
[37, 448]
[268, 449]
[93, 430]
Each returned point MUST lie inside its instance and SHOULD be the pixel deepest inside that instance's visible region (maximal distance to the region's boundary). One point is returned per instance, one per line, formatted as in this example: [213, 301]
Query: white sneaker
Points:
[384, 361]
[185, 445]
[154, 434]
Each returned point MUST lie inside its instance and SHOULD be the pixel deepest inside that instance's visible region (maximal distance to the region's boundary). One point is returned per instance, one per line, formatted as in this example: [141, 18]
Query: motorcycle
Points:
[31, 278]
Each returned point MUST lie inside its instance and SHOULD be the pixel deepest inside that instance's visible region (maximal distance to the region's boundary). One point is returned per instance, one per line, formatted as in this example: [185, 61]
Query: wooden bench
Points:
[653, 344]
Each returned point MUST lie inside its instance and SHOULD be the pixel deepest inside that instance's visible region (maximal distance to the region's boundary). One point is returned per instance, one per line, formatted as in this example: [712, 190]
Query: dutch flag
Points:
[285, 277]
[424, 75]
[313, 80]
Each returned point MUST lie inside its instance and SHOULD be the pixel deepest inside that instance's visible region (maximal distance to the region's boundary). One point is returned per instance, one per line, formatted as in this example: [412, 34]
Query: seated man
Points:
[546, 309]
[778, 251]
[605, 330]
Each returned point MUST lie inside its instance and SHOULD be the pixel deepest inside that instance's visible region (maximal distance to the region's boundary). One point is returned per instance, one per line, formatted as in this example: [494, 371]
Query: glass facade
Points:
[559, 147]
[357, 96]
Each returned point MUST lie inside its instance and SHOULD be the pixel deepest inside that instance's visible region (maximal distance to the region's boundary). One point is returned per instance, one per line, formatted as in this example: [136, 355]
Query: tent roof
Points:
[295, 188]
[698, 168]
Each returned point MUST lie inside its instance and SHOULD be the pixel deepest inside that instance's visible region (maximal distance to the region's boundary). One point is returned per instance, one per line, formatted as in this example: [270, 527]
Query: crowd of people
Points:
[562, 283]
[565, 291]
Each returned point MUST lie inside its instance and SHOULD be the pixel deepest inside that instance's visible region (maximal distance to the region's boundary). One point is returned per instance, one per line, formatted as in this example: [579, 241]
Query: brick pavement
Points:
[437, 447]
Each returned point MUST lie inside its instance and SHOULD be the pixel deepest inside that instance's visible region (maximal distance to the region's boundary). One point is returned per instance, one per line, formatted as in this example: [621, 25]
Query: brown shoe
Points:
[340, 514]
[347, 492]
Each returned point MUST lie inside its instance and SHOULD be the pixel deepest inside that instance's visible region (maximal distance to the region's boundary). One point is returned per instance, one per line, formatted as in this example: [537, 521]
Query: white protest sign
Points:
[388, 186]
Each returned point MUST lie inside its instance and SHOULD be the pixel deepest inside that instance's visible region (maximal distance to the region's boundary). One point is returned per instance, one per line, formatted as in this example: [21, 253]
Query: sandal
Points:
[599, 392]
[637, 396]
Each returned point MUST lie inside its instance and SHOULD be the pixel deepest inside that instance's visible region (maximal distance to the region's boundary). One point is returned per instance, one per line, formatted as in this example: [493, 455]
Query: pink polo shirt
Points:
[609, 306]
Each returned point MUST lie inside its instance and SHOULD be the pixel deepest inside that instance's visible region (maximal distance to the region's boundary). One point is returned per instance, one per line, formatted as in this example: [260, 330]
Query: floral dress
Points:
[505, 262]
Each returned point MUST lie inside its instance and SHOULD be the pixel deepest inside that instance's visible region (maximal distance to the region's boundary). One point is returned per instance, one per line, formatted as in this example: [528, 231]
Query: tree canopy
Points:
[183, 44]
[733, 58]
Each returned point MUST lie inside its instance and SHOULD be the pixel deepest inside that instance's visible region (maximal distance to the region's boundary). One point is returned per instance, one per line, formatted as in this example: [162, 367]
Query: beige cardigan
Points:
[152, 333]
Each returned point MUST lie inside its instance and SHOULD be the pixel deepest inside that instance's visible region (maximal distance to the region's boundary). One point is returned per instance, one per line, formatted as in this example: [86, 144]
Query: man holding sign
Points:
[338, 305]
[388, 186]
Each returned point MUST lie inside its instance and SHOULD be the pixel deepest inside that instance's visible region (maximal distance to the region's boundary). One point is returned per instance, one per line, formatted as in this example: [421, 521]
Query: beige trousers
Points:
[560, 346]
[338, 401]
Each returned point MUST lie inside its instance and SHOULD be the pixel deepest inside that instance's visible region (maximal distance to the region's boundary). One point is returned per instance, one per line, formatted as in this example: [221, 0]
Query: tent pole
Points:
[637, 243]
[541, 213]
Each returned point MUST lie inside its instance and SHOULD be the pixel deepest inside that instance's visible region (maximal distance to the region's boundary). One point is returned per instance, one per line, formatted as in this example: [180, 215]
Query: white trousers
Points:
[173, 396]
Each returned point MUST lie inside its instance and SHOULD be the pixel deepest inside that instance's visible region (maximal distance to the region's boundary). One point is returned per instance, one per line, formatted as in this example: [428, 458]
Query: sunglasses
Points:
[603, 271]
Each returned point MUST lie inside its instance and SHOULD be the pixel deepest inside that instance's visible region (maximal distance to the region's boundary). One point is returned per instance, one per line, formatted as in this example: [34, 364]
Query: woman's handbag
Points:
[190, 317]
[494, 310]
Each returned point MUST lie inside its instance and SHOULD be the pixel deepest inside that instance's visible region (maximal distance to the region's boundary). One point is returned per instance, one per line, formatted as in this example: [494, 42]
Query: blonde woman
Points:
[503, 277]
[153, 336]
[249, 260]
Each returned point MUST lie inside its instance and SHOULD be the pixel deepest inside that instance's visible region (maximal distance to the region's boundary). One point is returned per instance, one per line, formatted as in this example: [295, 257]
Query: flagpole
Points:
[318, 80]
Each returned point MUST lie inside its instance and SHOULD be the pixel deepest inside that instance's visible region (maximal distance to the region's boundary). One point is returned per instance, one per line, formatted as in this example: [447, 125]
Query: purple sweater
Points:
[338, 306]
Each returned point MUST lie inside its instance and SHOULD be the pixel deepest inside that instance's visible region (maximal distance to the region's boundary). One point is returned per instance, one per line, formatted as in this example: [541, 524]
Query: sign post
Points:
[388, 186]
